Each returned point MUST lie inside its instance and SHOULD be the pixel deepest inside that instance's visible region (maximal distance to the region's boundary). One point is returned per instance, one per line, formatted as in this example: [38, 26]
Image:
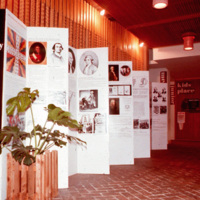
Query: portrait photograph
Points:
[125, 70]
[89, 63]
[56, 55]
[71, 61]
[37, 53]
[88, 100]
[113, 72]
[114, 106]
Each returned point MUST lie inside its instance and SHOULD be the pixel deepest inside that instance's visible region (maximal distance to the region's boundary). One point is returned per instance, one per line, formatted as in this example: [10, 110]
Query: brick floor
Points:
[172, 174]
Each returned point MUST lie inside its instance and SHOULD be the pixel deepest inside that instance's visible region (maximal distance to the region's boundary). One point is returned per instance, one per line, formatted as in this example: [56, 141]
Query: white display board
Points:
[120, 112]
[92, 111]
[49, 74]
[141, 115]
[159, 116]
[13, 66]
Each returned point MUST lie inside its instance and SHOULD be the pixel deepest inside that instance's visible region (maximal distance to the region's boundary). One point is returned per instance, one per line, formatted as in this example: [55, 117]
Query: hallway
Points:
[168, 175]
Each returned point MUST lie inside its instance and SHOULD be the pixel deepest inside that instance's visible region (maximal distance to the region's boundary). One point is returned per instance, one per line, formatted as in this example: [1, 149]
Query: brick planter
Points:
[36, 182]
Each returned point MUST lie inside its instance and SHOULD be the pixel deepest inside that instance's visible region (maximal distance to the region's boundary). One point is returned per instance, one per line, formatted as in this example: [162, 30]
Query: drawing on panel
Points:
[89, 63]
[93, 123]
[88, 100]
[113, 71]
[125, 70]
[114, 106]
[71, 61]
[37, 53]
[16, 53]
[56, 57]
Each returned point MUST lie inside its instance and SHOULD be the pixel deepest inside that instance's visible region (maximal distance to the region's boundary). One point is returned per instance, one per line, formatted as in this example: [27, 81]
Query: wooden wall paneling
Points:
[75, 33]
[52, 13]
[84, 24]
[65, 14]
[9, 5]
[16, 9]
[33, 13]
[56, 4]
[47, 12]
[43, 13]
[27, 11]
[60, 13]
[21, 8]
[38, 12]
[81, 23]
[3, 4]
[78, 23]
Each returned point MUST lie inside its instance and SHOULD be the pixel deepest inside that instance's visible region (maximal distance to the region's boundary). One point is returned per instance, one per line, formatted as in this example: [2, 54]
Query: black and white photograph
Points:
[114, 106]
[144, 124]
[125, 70]
[113, 72]
[56, 57]
[71, 61]
[113, 90]
[163, 109]
[136, 123]
[156, 109]
[93, 123]
[88, 100]
[89, 63]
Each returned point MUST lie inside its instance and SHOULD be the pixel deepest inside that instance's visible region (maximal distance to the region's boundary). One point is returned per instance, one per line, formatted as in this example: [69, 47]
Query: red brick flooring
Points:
[168, 175]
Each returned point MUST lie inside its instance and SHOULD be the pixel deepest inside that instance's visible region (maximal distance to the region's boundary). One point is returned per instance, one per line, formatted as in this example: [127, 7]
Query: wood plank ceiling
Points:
[157, 28]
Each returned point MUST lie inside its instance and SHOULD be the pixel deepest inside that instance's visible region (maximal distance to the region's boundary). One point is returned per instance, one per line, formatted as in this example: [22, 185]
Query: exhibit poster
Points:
[120, 112]
[92, 113]
[13, 76]
[47, 71]
[159, 115]
[141, 114]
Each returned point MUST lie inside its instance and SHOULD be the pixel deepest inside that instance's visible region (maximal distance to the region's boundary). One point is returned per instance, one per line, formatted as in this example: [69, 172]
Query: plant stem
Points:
[40, 148]
[33, 127]
[42, 131]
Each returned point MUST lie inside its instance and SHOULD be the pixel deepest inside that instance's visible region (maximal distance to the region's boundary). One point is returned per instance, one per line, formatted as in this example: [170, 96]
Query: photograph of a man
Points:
[89, 63]
[56, 56]
[113, 72]
[71, 61]
[89, 68]
[88, 100]
[114, 106]
[37, 53]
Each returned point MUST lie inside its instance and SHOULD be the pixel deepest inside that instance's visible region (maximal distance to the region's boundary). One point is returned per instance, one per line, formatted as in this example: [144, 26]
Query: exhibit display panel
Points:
[141, 114]
[159, 116]
[92, 111]
[13, 76]
[120, 112]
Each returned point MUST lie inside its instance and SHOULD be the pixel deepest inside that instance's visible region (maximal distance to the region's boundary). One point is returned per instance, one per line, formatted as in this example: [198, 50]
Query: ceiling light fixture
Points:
[141, 44]
[188, 39]
[160, 4]
[102, 12]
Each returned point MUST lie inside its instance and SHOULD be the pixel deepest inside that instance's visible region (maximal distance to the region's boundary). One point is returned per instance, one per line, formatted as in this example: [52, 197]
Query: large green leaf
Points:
[21, 153]
[22, 101]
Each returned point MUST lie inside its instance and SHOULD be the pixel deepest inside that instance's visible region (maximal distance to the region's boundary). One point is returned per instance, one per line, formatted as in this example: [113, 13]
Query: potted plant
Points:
[25, 146]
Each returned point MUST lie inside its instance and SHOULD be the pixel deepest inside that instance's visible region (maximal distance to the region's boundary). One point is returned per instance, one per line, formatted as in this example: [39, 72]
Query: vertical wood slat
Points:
[33, 182]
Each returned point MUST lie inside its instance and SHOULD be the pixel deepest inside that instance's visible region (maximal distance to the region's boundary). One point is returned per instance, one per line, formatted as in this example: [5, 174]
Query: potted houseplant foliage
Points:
[40, 138]
[25, 146]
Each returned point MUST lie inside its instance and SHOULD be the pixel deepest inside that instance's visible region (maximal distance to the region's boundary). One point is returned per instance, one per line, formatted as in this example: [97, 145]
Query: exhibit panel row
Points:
[101, 95]
[120, 112]
[141, 114]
